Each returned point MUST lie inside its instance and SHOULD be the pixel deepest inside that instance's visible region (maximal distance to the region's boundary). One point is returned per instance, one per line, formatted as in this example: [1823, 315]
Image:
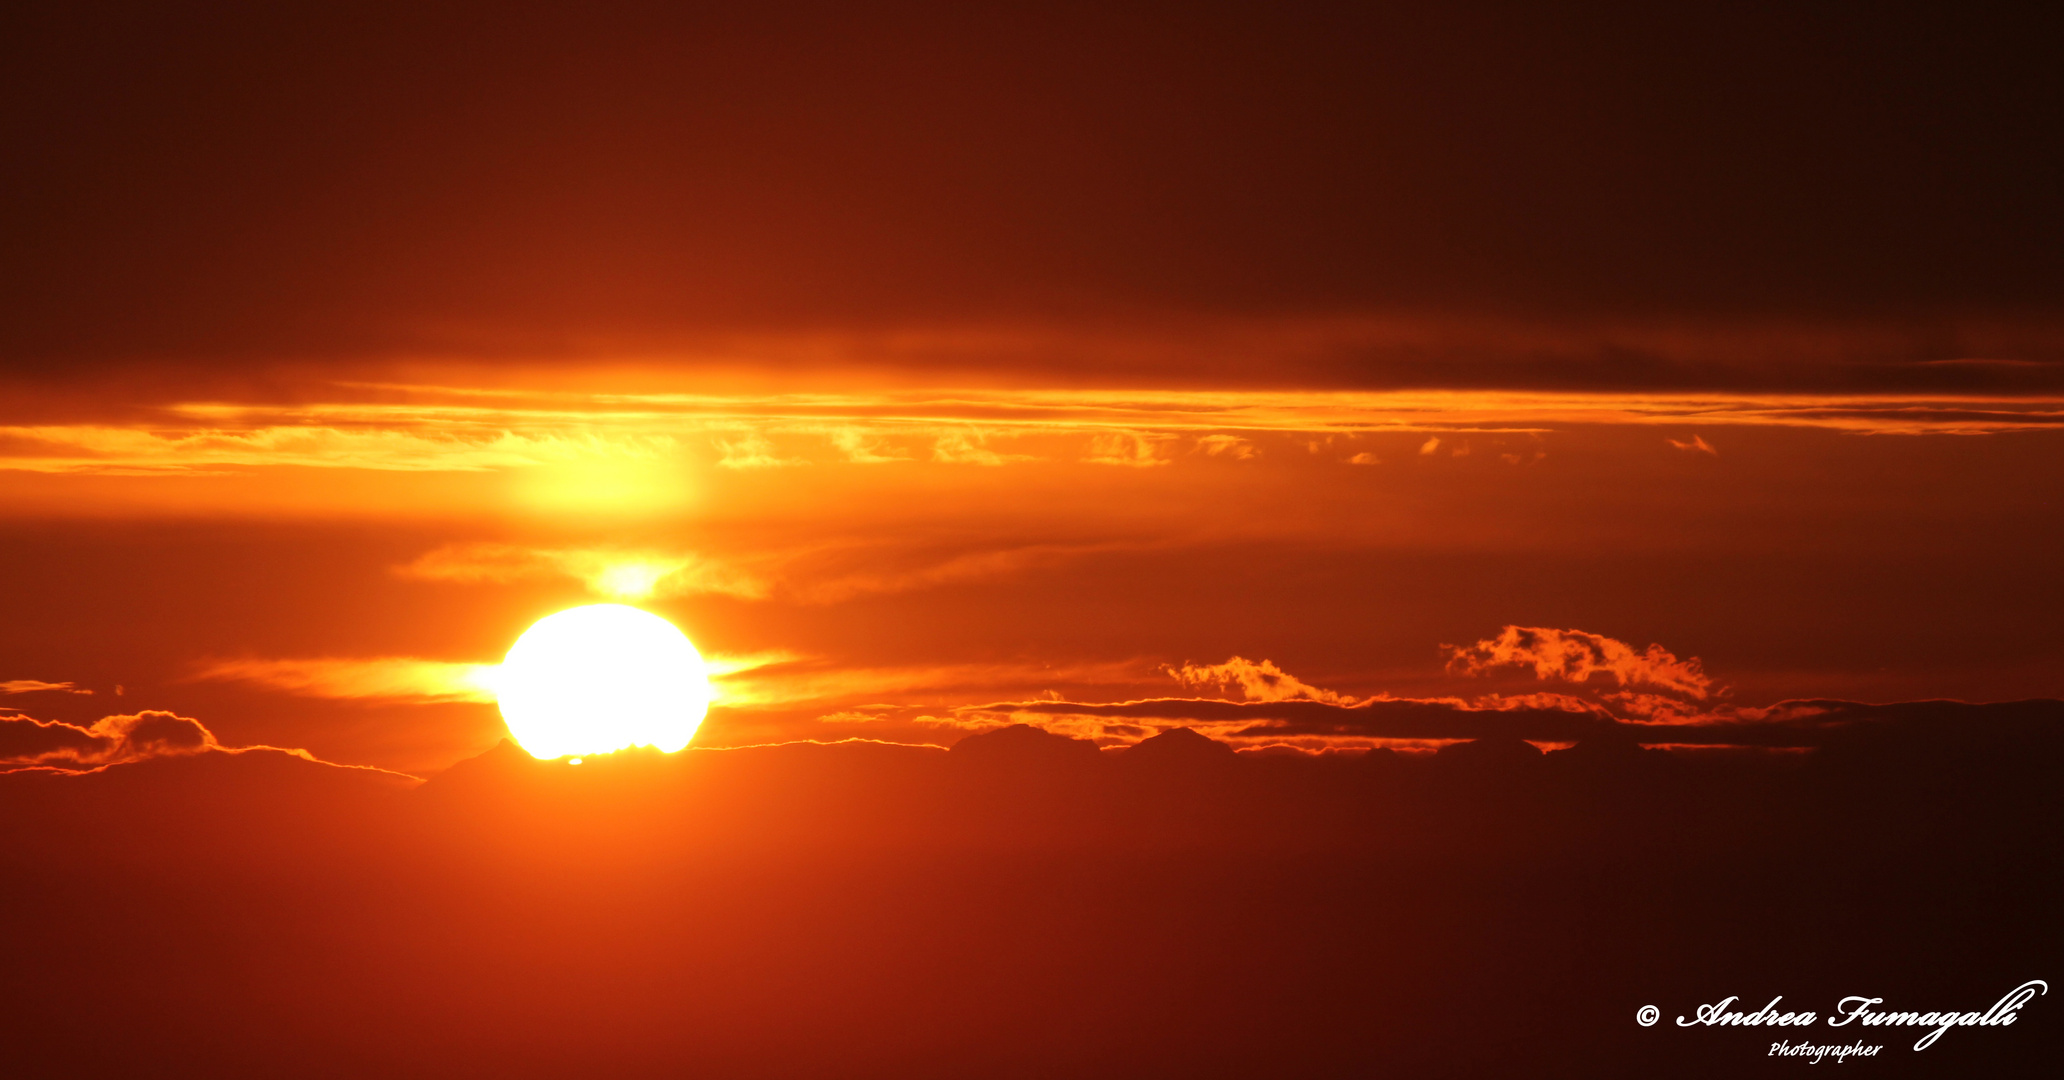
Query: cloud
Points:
[1697, 443]
[1258, 680]
[30, 743]
[1128, 448]
[1792, 724]
[1575, 656]
[727, 665]
[821, 573]
[861, 449]
[1229, 446]
[395, 678]
[408, 679]
[851, 716]
[787, 679]
[966, 448]
[35, 686]
[1365, 458]
[820, 584]
[753, 451]
[1318, 722]
[618, 574]
[391, 442]
[642, 442]
[1279, 708]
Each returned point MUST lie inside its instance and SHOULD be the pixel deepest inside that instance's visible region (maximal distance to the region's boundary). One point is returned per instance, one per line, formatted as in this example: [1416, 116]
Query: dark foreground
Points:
[1027, 907]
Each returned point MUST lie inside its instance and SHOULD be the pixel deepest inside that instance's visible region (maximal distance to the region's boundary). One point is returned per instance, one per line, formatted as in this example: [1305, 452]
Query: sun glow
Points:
[603, 677]
[634, 579]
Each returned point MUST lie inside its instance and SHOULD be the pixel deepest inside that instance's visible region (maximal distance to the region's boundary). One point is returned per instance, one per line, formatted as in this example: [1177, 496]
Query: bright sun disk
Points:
[602, 677]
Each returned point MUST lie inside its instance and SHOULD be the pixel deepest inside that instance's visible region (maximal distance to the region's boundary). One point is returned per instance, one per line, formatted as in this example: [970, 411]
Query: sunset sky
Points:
[929, 364]
[1227, 540]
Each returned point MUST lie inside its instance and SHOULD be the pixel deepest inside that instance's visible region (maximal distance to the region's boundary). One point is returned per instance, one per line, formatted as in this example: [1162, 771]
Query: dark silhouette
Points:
[1027, 905]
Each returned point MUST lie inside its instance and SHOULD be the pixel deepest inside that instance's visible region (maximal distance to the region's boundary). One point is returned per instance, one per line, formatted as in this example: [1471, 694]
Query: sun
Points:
[602, 677]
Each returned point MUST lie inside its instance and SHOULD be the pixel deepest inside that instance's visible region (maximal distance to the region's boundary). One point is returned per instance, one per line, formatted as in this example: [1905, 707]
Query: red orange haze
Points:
[972, 541]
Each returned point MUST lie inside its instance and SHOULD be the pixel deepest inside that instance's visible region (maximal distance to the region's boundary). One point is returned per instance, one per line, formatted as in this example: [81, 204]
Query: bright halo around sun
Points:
[603, 677]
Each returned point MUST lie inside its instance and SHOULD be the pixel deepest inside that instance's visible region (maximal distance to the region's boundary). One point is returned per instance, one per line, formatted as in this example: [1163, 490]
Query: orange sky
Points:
[1230, 539]
[930, 358]
[330, 561]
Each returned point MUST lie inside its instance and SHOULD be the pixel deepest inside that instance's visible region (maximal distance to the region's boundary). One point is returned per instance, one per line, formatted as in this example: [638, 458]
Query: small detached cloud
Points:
[1126, 448]
[752, 451]
[862, 449]
[38, 686]
[1257, 680]
[1695, 445]
[1575, 656]
[969, 448]
[1228, 446]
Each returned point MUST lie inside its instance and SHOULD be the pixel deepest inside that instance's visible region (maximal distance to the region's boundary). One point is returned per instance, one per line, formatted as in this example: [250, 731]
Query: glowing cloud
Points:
[397, 678]
[1127, 448]
[36, 686]
[1575, 656]
[28, 743]
[965, 448]
[624, 575]
[752, 451]
[1234, 447]
[1258, 680]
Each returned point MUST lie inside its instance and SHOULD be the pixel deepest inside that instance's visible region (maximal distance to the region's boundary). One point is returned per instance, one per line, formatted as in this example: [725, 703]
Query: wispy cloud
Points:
[820, 573]
[410, 444]
[29, 743]
[396, 678]
[446, 429]
[618, 574]
[803, 682]
[863, 448]
[1126, 448]
[752, 451]
[1231, 447]
[1390, 721]
[970, 448]
[37, 686]
[412, 680]
[822, 585]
